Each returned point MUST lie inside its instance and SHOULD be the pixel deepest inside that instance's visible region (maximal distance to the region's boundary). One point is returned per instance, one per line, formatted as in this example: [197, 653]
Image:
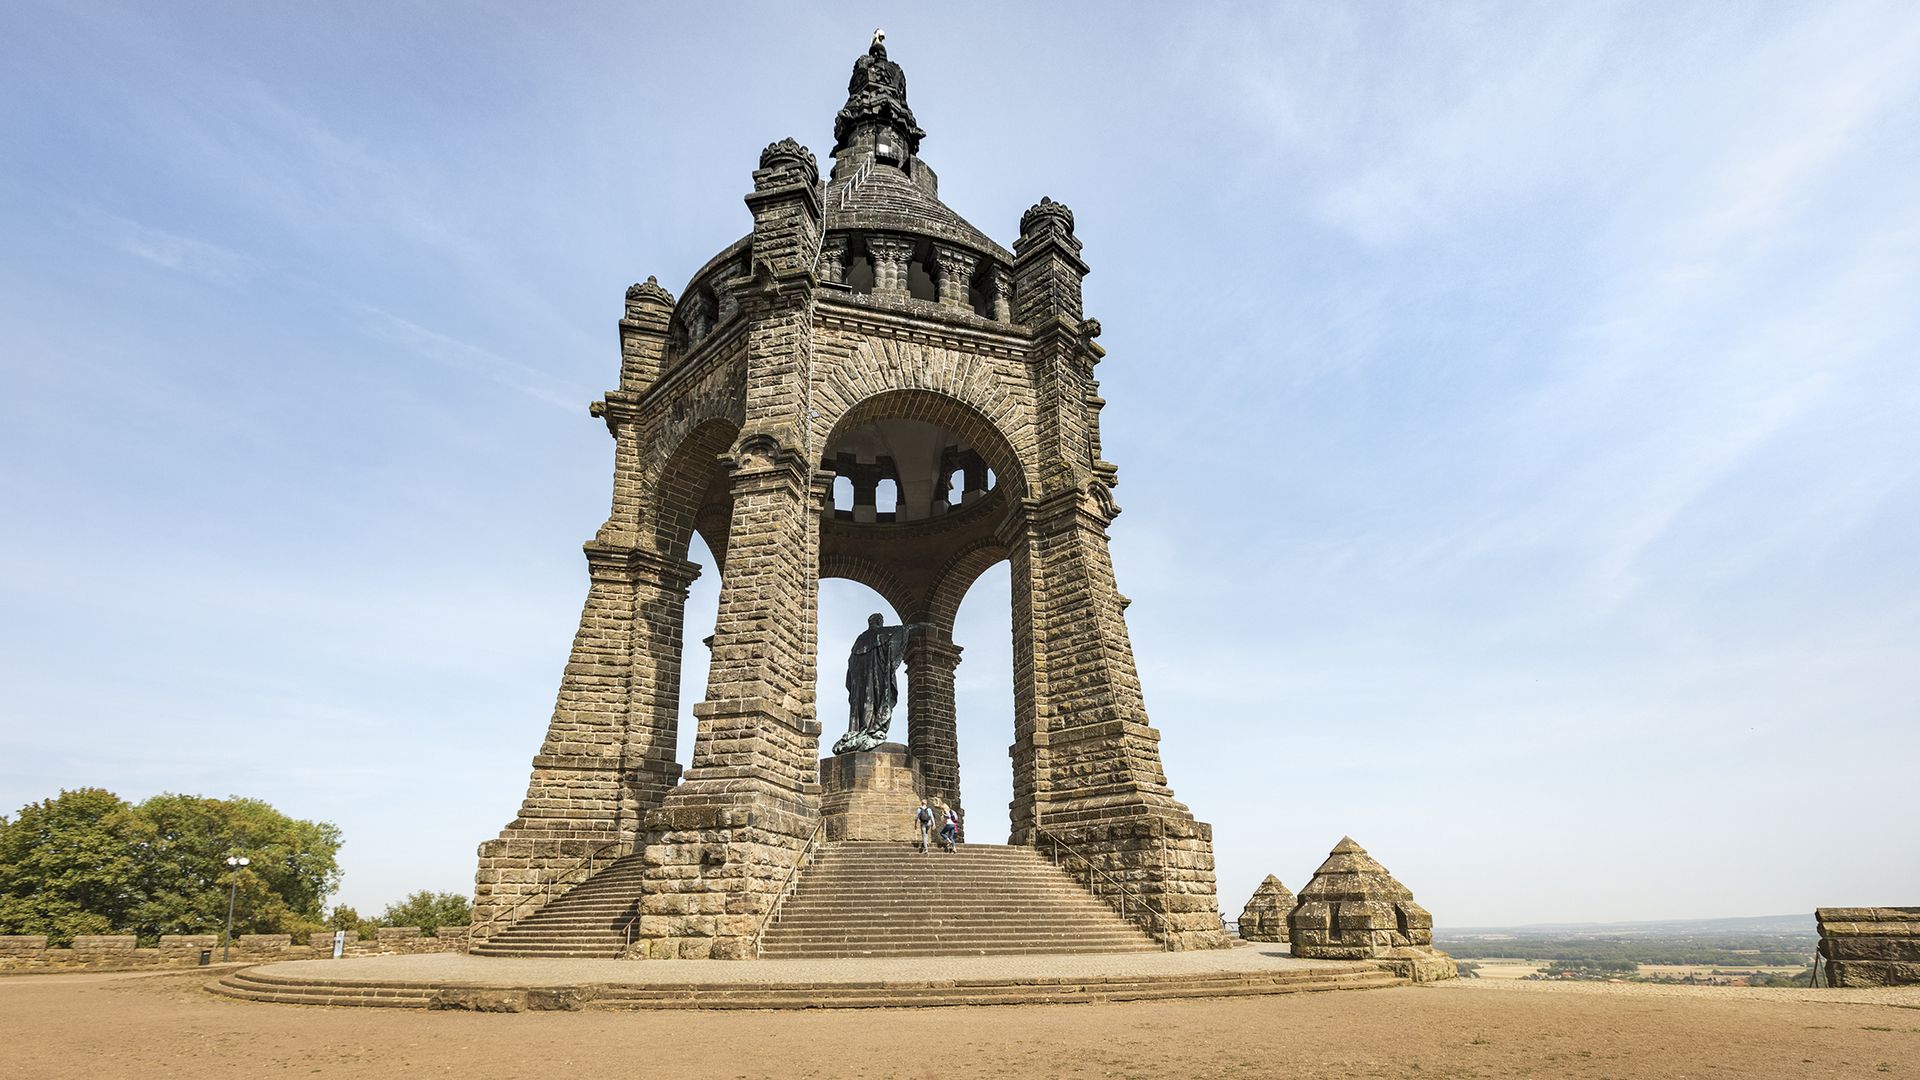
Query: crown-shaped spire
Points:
[877, 99]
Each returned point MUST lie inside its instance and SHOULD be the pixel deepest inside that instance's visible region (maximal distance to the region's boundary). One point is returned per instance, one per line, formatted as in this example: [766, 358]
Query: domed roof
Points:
[878, 196]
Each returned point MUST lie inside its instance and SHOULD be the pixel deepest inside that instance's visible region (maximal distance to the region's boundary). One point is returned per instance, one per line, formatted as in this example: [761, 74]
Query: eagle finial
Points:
[879, 39]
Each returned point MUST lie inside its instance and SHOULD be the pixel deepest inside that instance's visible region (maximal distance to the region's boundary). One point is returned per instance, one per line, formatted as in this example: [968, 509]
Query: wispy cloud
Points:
[466, 356]
[174, 251]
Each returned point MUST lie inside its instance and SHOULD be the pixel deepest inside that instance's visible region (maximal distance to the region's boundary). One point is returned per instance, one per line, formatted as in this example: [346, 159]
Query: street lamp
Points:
[234, 862]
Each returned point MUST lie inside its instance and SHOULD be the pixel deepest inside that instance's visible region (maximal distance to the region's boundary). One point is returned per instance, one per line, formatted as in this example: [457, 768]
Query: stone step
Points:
[957, 946]
[934, 904]
[538, 950]
[967, 938]
[873, 899]
[255, 985]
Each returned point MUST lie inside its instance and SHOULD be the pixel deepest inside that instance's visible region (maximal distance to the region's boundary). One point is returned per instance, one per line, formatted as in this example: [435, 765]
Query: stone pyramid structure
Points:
[1353, 909]
[1265, 916]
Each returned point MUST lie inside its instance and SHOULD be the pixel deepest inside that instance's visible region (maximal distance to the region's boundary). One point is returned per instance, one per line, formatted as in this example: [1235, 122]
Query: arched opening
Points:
[843, 494]
[920, 283]
[923, 528]
[702, 615]
[859, 277]
[844, 607]
[983, 703]
[980, 289]
[692, 509]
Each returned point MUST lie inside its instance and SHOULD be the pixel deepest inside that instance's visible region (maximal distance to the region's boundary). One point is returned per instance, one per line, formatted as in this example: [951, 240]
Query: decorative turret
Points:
[1047, 267]
[786, 213]
[1265, 916]
[643, 335]
[1354, 910]
[876, 120]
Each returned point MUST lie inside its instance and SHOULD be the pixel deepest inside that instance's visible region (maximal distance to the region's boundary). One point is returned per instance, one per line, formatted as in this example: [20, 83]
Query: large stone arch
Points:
[971, 396]
[874, 576]
[688, 482]
[957, 578]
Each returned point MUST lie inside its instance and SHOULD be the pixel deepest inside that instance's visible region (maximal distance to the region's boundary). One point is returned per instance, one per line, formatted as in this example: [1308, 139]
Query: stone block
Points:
[22, 944]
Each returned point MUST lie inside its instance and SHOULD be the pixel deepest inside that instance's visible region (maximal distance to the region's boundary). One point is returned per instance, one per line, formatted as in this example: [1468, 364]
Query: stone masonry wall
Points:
[26, 953]
[1870, 946]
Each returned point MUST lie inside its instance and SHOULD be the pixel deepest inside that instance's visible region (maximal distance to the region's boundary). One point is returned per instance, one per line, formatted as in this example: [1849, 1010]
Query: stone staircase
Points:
[589, 920]
[864, 898]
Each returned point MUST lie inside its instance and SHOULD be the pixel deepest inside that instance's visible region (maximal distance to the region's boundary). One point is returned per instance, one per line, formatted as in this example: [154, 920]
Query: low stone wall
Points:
[1870, 946]
[120, 952]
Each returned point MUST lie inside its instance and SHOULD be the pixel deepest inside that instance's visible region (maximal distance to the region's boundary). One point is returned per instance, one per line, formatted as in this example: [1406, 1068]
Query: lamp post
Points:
[234, 862]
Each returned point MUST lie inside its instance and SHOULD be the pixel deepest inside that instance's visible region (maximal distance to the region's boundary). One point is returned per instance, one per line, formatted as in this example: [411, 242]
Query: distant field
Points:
[1507, 968]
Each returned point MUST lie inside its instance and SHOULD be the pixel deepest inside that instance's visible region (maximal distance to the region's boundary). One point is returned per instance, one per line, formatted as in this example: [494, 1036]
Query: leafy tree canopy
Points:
[429, 911]
[90, 862]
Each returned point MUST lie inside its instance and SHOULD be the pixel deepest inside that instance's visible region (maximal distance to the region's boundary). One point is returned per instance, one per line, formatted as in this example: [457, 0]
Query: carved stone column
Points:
[891, 258]
[1002, 294]
[932, 736]
[956, 271]
[833, 260]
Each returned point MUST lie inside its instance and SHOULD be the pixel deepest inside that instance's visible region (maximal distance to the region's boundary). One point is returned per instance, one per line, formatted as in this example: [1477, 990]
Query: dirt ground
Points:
[106, 1026]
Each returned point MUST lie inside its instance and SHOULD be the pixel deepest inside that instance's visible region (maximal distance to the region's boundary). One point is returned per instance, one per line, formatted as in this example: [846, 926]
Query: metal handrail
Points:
[786, 887]
[546, 888]
[1166, 925]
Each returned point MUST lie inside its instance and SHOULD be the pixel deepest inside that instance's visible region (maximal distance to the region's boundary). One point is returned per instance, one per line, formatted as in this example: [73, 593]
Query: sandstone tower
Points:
[862, 329]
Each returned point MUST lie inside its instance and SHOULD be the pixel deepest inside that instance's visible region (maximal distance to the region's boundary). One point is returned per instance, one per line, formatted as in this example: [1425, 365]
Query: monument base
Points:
[872, 794]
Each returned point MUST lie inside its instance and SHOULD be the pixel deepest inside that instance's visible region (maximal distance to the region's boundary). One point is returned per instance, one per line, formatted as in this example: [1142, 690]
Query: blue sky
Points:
[1515, 407]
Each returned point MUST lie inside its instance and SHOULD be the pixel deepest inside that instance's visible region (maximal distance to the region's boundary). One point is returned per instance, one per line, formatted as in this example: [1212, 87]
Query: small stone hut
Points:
[1877, 946]
[1265, 916]
[1353, 909]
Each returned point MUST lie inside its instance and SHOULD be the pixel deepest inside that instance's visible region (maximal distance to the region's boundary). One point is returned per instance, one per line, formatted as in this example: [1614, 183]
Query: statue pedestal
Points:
[871, 794]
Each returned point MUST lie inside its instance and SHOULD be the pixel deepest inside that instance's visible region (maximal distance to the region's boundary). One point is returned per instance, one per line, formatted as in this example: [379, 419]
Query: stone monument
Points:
[1354, 910]
[1265, 916]
[860, 334]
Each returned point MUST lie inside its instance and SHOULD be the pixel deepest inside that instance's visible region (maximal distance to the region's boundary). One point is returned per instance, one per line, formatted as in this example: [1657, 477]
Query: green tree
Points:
[343, 917]
[429, 911]
[182, 848]
[67, 866]
[88, 862]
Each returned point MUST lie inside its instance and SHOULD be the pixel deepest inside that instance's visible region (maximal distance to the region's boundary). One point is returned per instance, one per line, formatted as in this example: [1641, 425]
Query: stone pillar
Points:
[890, 257]
[932, 736]
[1002, 294]
[956, 271]
[721, 845]
[1087, 765]
[973, 483]
[866, 493]
[608, 756]
[833, 260]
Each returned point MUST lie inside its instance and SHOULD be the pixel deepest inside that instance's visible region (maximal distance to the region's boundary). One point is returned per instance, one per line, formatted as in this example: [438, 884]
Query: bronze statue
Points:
[871, 690]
